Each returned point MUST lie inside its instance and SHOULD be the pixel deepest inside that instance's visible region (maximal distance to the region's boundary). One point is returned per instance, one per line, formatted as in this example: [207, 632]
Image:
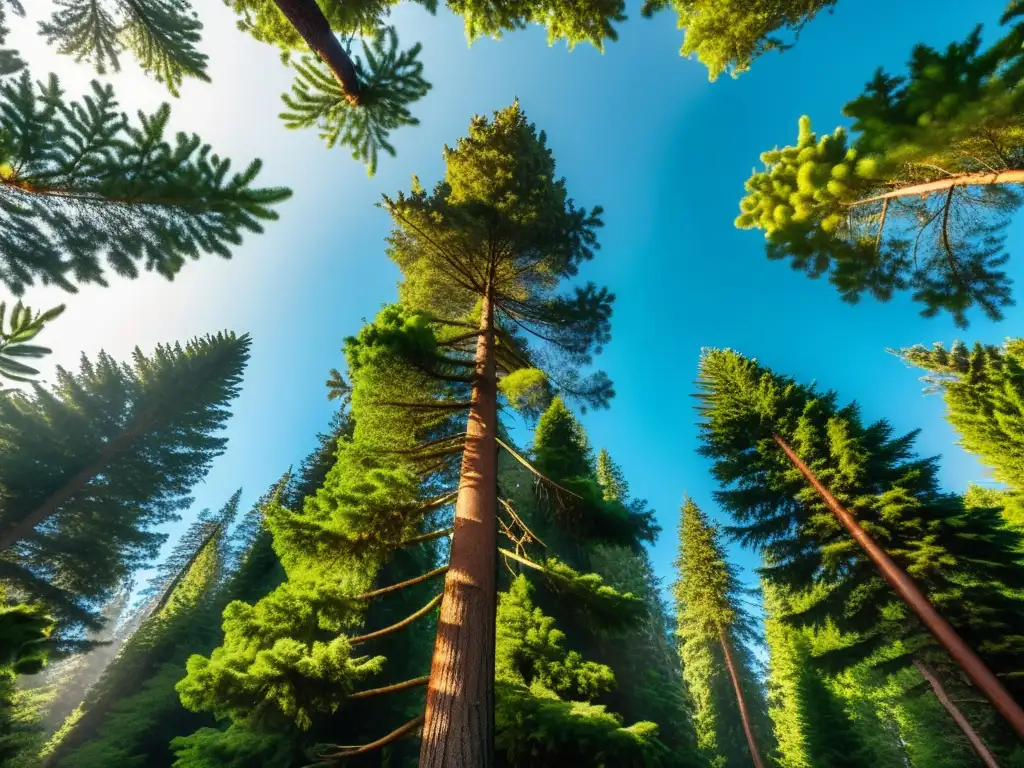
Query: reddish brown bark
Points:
[908, 591]
[959, 180]
[748, 727]
[956, 714]
[310, 22]
[24, 528]
[458, 730]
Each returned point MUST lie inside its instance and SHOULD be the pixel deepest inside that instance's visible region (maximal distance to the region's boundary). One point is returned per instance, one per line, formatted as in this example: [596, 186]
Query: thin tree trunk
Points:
[960, 180]
[908, 591]
[748, 727]
[458, 730]
[24, 528]
[310, 22]
[956, 714]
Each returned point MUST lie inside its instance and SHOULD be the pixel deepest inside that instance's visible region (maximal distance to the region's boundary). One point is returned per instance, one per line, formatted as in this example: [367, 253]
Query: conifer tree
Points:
[91, 465]
[162, 35]
[919, 196]
[82, 184]
[131, 713]
[727, 35]
[483, 257]
[983, 389]
[793, 463]
[713, 628]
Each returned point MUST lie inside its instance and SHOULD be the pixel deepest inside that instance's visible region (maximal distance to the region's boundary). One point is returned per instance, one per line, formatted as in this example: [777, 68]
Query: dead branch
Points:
[400, 625]
[395, 735]
[403, 584]
[403, 686]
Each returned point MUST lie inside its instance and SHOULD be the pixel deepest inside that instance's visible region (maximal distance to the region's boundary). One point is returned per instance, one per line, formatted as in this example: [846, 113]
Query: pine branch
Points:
[403, 686]
[399, 625]
[518, 521]
[403, 584]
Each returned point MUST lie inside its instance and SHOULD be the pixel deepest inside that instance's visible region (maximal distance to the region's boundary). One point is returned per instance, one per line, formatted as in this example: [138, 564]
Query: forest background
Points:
[636, 130]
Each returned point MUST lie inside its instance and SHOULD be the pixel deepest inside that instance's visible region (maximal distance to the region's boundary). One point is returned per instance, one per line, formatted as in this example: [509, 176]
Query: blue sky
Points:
[638, 130]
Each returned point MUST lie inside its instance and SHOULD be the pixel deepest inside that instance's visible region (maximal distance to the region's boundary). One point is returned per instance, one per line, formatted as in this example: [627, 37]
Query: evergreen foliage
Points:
[710, 612]
[162, 35]
[89, 467]
[983, 388]
[812, 726]
[24, 326]
[967, 561]
[727, 35]
[918, 197]
[82, 184]
[545, 714]
[130, 714]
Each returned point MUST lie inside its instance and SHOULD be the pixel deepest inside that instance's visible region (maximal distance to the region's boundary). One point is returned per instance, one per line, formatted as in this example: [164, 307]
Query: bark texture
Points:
[310, 22]
[458, 730]
[908, 591]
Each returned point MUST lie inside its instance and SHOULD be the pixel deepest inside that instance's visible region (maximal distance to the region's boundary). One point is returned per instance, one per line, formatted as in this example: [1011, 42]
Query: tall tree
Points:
[727, 35]
[483, 257]
[793, 463]
[89, 467]
[983, 389]
[130, 714]
[81, 183]
[920, 198]
[714, 627]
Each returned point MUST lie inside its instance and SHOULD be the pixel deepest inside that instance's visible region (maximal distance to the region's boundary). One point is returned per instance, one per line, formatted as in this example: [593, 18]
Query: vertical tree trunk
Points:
[954, 711]
[458, 730]
[908, 591]
[310, 22]
[25, 527]
[748, 727]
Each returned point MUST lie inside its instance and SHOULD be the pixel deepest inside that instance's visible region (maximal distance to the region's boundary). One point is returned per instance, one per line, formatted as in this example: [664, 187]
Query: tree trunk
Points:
[24, 528]
[748, 727]
[908, 591]
[954, 711]
[458, 730]
[310, 22]
[960, 180]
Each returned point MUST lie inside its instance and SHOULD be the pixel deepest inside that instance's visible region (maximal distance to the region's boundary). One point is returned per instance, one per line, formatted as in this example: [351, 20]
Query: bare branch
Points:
[403, 686]
[395, 735]
[403, 584]
[426, 537]
[399, 625]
